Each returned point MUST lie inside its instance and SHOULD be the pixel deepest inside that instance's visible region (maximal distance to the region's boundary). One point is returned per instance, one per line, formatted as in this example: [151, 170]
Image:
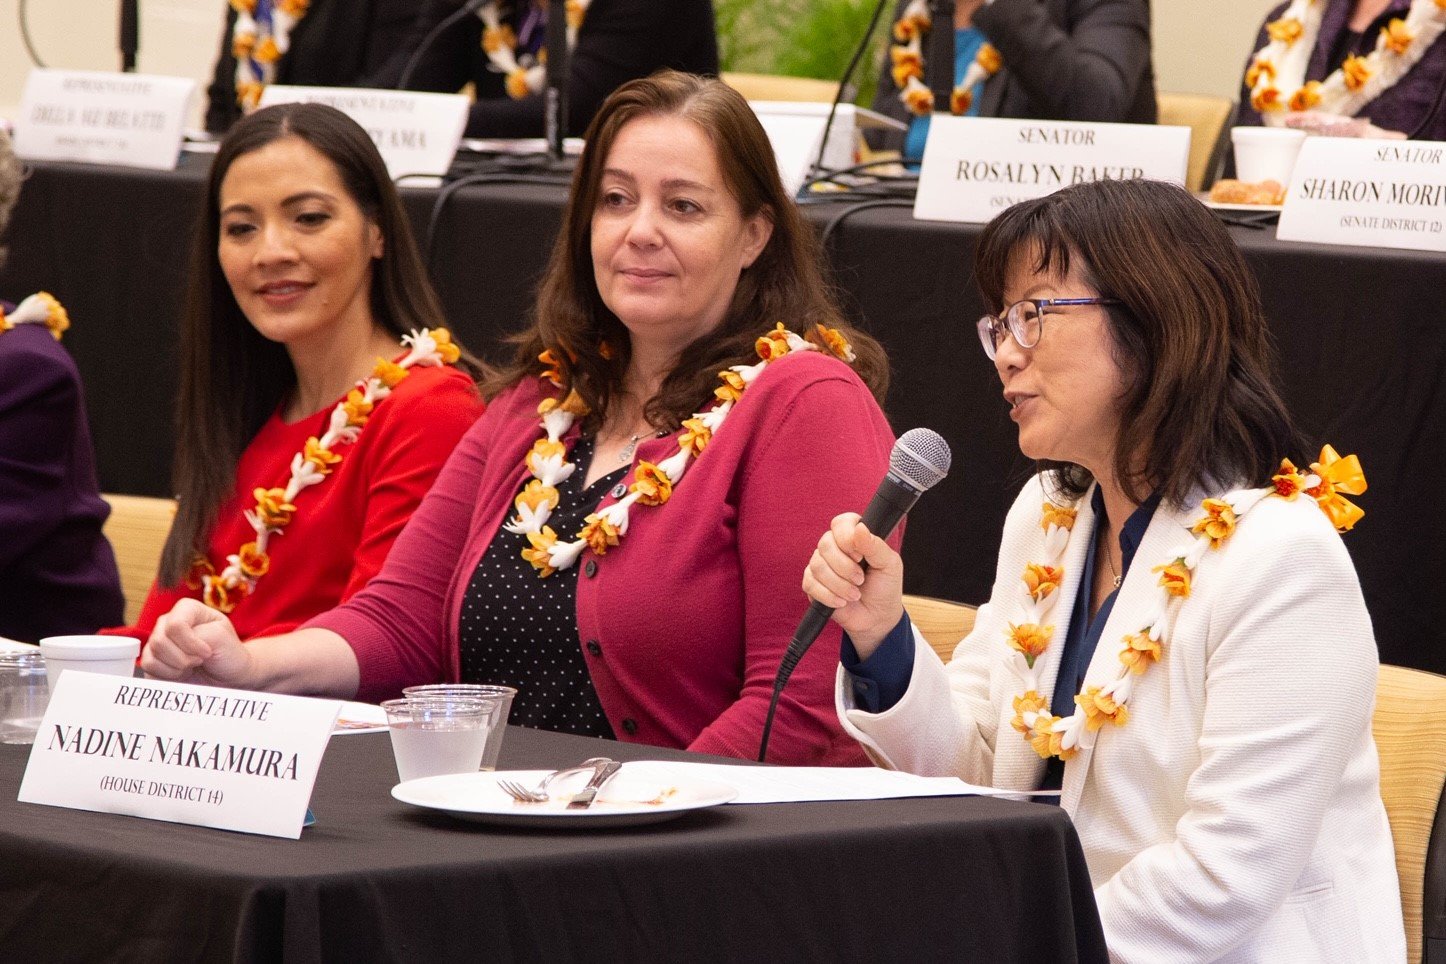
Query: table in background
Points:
[944, 878]
[1362, 336]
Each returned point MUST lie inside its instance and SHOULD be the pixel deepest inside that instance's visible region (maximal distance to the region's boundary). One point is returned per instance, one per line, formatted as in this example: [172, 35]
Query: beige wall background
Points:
[1199, 46]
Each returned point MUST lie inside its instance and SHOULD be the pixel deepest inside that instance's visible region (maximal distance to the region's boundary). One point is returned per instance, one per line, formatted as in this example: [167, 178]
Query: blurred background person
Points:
[313, 415]
[1176, 637]
[321, 43]
[1351, 68]
[683, 326]
[1083, 60]
[57, 572]
[499, 52]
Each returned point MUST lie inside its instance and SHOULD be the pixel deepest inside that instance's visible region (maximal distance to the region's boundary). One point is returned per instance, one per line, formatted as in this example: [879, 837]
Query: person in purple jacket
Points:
[57, 572]
[619, 535]
[1355, 68]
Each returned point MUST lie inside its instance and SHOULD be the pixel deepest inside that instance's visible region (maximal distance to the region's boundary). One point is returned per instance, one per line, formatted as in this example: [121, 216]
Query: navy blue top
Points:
[880, 681]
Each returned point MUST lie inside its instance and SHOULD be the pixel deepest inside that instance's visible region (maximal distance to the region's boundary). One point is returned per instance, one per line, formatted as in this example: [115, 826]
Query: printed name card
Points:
[975, 167]
[795, 143]
[416, 133]
[212, 757]
[132, 120]
[1383, 194]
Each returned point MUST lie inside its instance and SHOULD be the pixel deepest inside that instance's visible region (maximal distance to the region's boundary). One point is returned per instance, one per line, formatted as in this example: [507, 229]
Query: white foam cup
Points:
[1266, 153]
[112, 655]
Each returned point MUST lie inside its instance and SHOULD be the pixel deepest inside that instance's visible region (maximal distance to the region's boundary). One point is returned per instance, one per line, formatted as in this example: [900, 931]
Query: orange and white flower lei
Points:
[521, 75]
[652, 484]
[1276, 76]
[258, 44]
[40, 308]
[275, 508]
[1063, 737]
[907, 58]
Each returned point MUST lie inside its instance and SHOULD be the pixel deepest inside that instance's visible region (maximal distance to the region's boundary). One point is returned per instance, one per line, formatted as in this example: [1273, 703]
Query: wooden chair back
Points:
[779, 87]
[137, 530]
[1410, 732]
[1208, 118]
[942, 623]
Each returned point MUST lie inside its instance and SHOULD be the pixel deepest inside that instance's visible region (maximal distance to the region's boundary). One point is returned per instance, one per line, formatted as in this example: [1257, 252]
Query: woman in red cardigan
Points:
[319, 395]
[619, 535]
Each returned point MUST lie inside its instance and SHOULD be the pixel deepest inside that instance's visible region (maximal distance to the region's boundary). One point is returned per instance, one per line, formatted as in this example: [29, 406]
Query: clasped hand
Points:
[194, 643]
[867, 603]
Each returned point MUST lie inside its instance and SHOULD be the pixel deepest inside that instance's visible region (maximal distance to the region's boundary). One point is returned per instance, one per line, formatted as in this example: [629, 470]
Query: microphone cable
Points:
[23, 13]
[484, 177]
[845, 79]
[470, 7]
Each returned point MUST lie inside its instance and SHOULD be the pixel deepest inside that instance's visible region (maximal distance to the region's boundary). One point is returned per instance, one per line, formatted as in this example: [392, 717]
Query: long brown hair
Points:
[1200, 407]
[785, 283]
[232, 378]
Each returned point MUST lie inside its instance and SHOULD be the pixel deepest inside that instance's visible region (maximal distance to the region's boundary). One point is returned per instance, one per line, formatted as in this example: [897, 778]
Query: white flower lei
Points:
[1065, 736]
[523, 75]
[40, 308]
[275, 508]
[258, 42]
[1276, 77]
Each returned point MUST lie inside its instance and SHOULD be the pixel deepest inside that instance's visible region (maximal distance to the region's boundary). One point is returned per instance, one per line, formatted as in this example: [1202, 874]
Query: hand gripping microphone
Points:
[919, 460]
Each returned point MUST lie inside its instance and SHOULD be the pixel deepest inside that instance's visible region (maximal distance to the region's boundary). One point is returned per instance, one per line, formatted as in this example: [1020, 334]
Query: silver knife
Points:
[584, 797]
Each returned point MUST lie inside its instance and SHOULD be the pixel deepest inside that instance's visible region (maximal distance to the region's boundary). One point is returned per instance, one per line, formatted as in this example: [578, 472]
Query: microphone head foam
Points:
[920, 458]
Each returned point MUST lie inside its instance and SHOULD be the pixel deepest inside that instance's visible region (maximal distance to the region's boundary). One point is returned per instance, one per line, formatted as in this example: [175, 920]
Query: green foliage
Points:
[801, 38]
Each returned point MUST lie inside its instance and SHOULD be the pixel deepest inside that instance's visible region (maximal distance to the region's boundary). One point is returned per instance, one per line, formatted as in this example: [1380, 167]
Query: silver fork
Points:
[539, 794]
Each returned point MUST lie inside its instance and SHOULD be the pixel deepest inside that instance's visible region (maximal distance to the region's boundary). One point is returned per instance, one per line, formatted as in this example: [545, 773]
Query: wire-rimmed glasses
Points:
[1024, 321]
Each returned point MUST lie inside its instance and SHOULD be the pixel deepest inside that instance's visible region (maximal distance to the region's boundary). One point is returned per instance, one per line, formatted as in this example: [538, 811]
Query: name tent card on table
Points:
[1371, 193]
[202, 755]
[975, 167]
[416, 133]
[133, 120]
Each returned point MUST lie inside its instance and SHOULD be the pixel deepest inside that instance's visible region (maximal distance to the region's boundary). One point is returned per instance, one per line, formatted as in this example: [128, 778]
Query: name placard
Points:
[416, 133]
[1383, 194]
[213, 757]
[975, 167]
[795, 143]
[133, 120]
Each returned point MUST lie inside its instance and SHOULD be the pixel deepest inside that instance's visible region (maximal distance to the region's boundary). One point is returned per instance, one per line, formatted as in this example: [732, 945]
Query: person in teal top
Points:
[967, 41]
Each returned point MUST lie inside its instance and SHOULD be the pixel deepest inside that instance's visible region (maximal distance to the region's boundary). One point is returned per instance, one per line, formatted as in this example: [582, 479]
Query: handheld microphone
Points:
[919, 461]
[554, 106]
[130, 33]
[470, 7]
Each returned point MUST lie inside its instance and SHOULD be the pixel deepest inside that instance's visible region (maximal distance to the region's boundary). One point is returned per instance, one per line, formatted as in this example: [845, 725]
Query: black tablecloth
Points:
[957, 878]
[1362, 335]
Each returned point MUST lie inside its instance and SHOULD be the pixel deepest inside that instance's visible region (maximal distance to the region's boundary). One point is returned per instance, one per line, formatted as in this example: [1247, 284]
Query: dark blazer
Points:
[1085, 60]
[619, 41]
[57, 572]
[336, 44]
[1415, 105]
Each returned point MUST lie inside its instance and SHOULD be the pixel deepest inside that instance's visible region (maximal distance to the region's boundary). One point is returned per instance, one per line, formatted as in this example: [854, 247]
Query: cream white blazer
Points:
[1237, 816]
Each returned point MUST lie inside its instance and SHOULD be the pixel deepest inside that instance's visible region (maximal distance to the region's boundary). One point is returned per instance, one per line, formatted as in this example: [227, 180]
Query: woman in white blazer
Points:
[1176, 636]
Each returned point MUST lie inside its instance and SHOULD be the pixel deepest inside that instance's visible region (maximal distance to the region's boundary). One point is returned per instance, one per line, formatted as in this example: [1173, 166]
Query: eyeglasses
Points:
[1024, 320]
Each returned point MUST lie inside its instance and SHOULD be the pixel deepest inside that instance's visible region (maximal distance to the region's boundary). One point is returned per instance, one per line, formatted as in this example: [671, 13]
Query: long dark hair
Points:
[1200, 408]
[232, 378]
[785, 284]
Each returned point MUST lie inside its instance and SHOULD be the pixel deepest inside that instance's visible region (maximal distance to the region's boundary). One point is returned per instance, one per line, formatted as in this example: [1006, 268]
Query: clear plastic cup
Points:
[433, 735]
[497, 697]
[24, 695]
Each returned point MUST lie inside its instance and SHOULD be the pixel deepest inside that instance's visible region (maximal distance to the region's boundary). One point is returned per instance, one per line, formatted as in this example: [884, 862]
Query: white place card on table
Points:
[1372, 193]
[975, 167]
[795, 143]
[416, 133]
[133, 120]
[201, 755]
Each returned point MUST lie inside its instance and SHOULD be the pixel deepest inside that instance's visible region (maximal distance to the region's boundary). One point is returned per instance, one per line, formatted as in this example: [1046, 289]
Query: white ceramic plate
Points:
[360, 718]
[642, 792]
[1243, 208]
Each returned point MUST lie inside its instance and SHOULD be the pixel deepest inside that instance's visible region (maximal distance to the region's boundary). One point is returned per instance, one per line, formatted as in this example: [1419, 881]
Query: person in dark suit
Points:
[617, 41]
[1084, 60]
[334, 43]
[57, 573]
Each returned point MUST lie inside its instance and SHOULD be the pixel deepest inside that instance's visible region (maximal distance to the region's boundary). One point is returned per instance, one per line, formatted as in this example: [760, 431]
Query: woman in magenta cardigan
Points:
[619, 535]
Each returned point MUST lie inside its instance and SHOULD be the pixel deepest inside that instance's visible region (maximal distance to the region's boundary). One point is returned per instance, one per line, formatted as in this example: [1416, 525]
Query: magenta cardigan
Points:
[683, 624]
